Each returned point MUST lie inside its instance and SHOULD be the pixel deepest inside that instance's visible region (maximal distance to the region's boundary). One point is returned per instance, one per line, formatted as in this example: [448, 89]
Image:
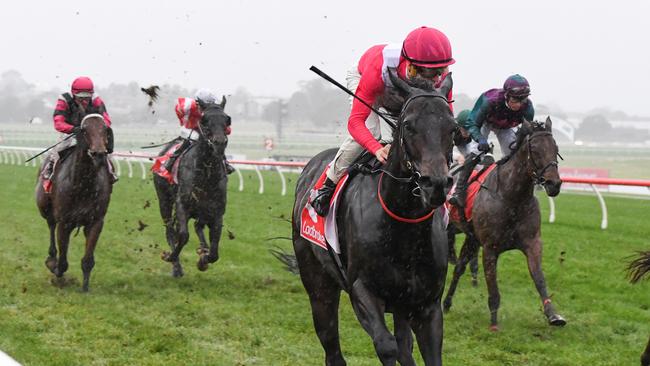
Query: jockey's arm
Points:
[477, 117]
[359, 114]
[60, 123]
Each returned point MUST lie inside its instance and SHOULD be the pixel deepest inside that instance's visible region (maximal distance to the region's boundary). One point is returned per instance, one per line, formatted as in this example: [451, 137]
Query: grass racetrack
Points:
[247, 310]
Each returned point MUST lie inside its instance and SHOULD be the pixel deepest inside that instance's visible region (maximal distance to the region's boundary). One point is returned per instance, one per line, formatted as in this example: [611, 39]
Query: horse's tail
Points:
[639, 267]
[289, 260]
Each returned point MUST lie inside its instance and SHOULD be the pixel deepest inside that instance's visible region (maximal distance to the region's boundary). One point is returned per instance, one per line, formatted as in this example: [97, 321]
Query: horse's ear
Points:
[400, 85]
[223, 102]
[526, 127]
[549, 124]
[446, 85]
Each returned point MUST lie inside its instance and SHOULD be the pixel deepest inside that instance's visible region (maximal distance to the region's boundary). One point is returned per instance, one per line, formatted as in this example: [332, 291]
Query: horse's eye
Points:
[409, 127]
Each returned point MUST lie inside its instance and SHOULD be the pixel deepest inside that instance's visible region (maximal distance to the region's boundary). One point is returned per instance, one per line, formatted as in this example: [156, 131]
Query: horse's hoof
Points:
[556, 320]
[202, 265]
[494, 328]
[177, 273]
[446, 306]
[50, 263]
[165, 256]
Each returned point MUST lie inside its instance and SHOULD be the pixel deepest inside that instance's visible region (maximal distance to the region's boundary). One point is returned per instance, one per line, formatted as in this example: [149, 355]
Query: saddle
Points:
[474, 184]
[158, 166]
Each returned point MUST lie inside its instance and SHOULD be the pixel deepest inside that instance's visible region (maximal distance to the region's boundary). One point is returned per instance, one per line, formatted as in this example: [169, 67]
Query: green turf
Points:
[246, 310]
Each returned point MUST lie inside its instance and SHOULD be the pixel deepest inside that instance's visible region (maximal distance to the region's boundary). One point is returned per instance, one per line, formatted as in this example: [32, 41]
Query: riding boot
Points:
[169, 164]
[48, 171]
[321, 203]
[460, 194]
[229, 168]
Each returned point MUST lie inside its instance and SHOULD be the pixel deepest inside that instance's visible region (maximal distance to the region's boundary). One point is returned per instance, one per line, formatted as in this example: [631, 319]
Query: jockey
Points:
[189, 113]
[69, 111]
[425, 53]
[500, 111]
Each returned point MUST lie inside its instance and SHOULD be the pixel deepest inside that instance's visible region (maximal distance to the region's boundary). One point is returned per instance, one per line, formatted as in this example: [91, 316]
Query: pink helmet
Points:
[427, 47]
[82, 87]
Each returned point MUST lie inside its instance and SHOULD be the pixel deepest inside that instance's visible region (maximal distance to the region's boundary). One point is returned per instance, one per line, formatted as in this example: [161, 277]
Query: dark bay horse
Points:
[80, 195]
[200, 193]
[637, 269]
[506, 215]
[391, 264]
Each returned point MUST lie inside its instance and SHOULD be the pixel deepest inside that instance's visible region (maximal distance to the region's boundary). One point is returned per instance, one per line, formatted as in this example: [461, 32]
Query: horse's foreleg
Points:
[404, 338]
[51, 262]
[427, 327]
[370, 312]
[494, 298]
[324, 294]
[215, 236]
[533, 252]
[473, 268]
[203, 245]
[63, 232]
[88, 261]
[183, 235]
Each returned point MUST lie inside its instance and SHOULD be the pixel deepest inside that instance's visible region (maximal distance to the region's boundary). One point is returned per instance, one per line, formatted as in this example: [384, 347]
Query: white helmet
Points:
[205, 96]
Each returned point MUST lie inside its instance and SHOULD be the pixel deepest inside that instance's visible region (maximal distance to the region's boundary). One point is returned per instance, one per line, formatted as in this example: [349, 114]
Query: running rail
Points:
[16, 155]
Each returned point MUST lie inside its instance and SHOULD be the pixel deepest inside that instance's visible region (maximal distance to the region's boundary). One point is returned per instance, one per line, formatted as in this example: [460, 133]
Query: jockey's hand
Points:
[382, 154]
[76, 129]
[483, 145]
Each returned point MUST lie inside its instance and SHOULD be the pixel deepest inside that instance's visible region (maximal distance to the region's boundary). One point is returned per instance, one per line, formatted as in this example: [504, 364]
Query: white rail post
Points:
[284, 182]
[118, 167]
[259, 176]
[241, 179]
[551, 206]
[603, 207]
[144, 175]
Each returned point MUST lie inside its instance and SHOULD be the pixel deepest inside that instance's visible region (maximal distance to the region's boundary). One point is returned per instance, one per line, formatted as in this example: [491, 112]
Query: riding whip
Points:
[328, 78]
[50, 148]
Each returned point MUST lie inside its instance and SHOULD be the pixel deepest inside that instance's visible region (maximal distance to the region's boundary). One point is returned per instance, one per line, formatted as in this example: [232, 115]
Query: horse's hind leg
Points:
[88, 261]
[50, 262]
[324, 294]
[404, 338]
[451, 243]
[473, 269]
[203, 245]
[459, 269]
[533, 251]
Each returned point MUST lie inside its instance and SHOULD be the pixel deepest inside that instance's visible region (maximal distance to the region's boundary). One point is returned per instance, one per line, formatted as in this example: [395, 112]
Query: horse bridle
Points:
[538, 174]
[415, 173]
[212, 145]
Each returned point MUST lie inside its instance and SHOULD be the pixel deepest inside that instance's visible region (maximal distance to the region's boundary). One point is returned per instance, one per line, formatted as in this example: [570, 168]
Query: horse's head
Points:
[93, 138]
[542, 152]
[422, 141]
[212, 126]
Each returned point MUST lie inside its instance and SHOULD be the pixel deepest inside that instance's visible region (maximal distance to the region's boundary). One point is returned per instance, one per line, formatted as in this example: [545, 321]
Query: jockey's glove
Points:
[483, 145]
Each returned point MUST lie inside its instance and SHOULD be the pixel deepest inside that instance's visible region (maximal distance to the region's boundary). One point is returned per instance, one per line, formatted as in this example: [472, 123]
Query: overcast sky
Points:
[576, 54]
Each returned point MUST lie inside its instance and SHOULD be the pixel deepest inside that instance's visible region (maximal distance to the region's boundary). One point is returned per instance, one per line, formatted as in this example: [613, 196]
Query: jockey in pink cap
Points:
[425, 53]
[70, 109]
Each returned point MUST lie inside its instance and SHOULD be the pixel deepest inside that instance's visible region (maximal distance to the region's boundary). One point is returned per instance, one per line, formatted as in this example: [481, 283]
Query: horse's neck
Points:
[399, 195]
[81, 166]
[207, 164]
[513, 177]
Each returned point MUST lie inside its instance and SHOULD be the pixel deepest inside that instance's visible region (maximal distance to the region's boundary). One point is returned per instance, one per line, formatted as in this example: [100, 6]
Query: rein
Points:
[538, 173]
[396, 216]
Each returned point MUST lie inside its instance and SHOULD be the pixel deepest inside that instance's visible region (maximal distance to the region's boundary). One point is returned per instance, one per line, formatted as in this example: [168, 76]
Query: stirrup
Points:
[321, 203]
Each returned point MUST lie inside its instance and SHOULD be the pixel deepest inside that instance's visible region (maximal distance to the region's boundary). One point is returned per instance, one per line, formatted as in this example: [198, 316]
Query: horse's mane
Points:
[520, 137]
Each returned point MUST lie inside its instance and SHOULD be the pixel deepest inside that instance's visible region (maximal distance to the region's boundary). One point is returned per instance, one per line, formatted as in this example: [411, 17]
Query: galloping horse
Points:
[79, 197]
[392, 237]
[200, 193]
[506, 215]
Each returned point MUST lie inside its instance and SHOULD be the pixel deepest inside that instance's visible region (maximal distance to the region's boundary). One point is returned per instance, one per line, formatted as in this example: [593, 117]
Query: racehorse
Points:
[79, 197]
[506, 215]
[392, 237]
[637, 269]
[200, 193]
